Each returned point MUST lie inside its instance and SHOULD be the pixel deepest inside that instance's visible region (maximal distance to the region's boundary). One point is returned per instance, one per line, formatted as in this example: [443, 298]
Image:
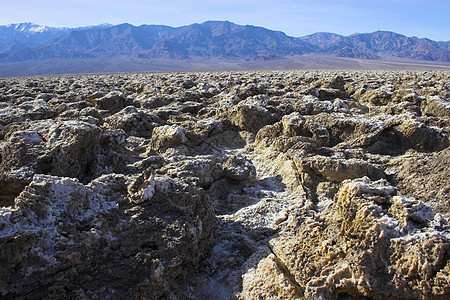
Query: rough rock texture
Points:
[370, 243]
[67, 240]
[225, 185]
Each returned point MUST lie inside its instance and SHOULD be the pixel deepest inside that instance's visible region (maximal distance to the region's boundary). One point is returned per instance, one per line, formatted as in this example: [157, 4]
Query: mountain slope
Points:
[27, 42]
[111, 41]
[209, 39]
[21, 35]
[227, 40]
[379, 44]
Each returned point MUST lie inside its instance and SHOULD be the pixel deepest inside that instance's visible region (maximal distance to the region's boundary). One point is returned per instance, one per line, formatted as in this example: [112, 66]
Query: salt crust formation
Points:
[226, 185]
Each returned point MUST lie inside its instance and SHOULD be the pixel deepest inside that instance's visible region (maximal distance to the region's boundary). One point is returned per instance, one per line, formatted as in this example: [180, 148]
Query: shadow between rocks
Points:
[247, 216]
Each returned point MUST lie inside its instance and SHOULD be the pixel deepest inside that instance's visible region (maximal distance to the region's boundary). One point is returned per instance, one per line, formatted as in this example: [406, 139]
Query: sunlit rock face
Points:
[225, 185]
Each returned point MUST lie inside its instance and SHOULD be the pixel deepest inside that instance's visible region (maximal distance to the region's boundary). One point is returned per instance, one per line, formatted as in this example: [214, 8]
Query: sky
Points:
[420, 18]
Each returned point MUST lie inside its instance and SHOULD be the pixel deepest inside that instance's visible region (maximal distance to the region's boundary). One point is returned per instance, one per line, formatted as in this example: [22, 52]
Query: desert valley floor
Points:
[226, 185]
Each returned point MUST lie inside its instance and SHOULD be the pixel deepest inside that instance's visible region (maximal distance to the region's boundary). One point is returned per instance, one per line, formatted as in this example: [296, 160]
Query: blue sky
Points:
[296, 18]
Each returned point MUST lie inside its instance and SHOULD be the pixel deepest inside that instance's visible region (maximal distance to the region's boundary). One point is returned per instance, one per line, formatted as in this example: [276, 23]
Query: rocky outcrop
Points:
[424, 176]
[250, 115]
[68, 240]
[112, 102]
[133, 121]
[367, 243]
[247, 185]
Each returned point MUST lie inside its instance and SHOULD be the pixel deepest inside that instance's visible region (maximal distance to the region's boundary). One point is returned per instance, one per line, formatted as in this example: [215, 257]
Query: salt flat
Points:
[240, 184]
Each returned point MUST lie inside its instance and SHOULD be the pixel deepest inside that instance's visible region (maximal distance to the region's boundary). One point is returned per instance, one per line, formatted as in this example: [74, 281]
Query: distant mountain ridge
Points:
[379, 43]
[28, 42]
[18, 36]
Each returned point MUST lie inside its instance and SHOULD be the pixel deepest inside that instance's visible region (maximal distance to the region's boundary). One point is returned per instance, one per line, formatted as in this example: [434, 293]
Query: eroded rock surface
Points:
[226, 185]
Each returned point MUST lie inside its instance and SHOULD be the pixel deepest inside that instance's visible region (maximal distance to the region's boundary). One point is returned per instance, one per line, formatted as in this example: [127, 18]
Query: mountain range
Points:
[31, 43]
[18, 36]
